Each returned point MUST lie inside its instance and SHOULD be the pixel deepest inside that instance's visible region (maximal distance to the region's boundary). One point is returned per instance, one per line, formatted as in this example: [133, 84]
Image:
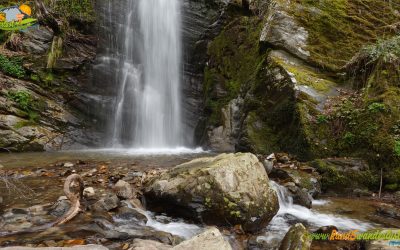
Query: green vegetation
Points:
[234, 57]
[27, 103]
[376, 107]
[397, 148]
[12, 66]
[337, 28]
[74, 9]
[384, 50]
[336, 179]
[322, 119]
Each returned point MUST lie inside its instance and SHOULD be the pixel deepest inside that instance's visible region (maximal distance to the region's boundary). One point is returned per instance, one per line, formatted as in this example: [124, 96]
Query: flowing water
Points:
[148, 104]
[338, 212]
[290, 214]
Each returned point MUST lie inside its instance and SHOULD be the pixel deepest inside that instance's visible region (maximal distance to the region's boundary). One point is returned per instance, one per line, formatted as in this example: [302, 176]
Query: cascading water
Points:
[290, 213]
[147, 111]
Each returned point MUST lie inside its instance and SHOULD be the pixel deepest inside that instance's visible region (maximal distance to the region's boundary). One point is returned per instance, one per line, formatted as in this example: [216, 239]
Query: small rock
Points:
[268, 165]
[68, 165]
[19, 211]
[50, 243]
[136, 174]
[60, 208]
[124, 190]
[107, 203]
[61, 198]
[362, 192]
[397, 195]
[89, 192]
[282, 158]
[326, 230]
[388, 210]
[127, 213]
[307, 169]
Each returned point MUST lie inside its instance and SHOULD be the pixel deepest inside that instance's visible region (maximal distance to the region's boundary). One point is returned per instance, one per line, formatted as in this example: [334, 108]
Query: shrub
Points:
[376, 107]
[12, 66]
[322, 119]
[26, 103]
[397, 148]
[22, 98]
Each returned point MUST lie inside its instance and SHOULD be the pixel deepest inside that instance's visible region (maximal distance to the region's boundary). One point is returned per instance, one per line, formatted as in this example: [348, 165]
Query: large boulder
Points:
[228, 188]
[297, 238]
[211, 239]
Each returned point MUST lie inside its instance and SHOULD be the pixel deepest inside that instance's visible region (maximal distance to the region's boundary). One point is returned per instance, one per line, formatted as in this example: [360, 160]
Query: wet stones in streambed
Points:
[228, 189]
[287, 171]
[125, 212]
[60, 207]
[388, 210]
[87, 247]
[18, 219]
[296, 238]
[124, 190]
[109, 202]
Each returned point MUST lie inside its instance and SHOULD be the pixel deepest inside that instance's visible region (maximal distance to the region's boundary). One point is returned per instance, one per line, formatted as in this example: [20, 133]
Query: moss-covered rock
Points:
[344, 175]
[229, 188]
[297, 238]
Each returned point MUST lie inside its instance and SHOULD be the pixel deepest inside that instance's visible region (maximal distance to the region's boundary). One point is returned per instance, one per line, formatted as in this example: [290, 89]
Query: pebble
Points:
[88, 192]
[68, 165]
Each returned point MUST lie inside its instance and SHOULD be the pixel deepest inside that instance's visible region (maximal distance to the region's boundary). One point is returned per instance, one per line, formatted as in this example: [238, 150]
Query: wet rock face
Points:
[281, 31]
[296, 238]
[230, 188]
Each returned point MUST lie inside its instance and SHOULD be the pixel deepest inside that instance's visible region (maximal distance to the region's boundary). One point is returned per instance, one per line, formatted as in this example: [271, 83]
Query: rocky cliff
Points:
[42, 70]
[313, 78]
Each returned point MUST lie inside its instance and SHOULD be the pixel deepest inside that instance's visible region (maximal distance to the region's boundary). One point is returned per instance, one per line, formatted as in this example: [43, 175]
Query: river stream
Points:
[39, 180]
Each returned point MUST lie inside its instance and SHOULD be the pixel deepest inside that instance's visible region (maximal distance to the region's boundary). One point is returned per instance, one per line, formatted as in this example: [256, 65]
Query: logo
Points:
[16, 18]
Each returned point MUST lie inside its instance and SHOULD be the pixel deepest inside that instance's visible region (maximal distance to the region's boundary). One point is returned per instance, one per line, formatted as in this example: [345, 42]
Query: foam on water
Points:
[178, 227]
[148, 151]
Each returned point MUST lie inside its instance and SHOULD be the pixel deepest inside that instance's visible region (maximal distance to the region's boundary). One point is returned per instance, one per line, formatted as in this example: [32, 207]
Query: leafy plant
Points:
[349, 138]
[397, 148]
[322, 119]
[22, 98]
[376, 107]
[385, 50]
[12, 66]
[26, 103]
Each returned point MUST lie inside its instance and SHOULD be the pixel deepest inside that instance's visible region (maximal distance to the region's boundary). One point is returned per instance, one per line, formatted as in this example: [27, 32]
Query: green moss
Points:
[262, 137]
[308, 76]
[234, 56]
[74, 9]
[338, 28]
[55, 52]
[334, 179]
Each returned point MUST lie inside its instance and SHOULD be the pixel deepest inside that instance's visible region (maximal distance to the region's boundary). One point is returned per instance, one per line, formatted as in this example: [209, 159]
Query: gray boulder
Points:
[211, 239]
[228, 188]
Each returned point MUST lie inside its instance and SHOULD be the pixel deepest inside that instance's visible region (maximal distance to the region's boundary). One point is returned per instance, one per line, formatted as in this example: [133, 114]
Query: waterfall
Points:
[147, 111]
